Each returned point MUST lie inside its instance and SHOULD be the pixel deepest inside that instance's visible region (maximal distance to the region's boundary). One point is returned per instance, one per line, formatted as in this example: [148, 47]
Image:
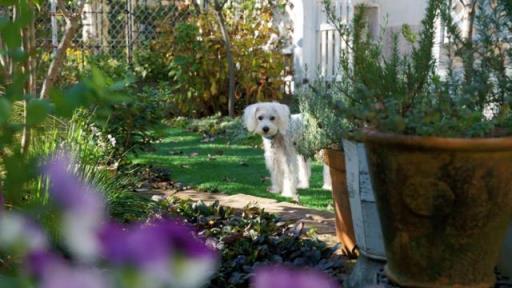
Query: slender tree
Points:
[219, 7]
[72, 19]
[31, 85]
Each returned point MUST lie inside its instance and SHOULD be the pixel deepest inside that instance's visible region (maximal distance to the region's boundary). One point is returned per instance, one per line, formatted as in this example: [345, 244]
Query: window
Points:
[327, 51]
[372, 20]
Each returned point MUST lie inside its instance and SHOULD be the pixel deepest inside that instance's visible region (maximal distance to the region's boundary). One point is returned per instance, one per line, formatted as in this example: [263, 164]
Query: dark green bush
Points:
[251, 237]
[135, 123]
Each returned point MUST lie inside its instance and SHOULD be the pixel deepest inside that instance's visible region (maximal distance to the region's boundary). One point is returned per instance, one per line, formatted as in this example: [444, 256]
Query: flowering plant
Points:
[98, 252]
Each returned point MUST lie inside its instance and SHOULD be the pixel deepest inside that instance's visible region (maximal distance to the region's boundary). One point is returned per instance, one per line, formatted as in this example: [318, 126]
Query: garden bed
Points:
[250, 237]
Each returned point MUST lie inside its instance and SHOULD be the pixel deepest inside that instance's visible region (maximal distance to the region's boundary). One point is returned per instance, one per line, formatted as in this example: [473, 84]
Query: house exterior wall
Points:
[309, 20]
[303, 14]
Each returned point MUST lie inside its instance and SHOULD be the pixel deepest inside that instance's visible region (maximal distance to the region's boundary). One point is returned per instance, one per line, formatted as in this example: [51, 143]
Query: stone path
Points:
[322, 221]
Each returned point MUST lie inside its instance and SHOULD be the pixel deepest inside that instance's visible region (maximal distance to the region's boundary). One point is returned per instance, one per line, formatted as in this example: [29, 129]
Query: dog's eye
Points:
[260, 118]
[272, 118]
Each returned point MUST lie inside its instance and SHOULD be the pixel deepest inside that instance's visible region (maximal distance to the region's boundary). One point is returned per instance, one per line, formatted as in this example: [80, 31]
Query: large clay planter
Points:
[505, 261]
[335, 159]
[444, 206]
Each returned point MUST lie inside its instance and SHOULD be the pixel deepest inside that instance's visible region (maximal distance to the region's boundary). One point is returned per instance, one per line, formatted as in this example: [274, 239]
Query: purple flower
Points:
[138, 245]
[154, 242]
[68, 190]
[65, 276]
[38, 262]
[283, 277]
[182, 238]
[19, 232]
[83, 207]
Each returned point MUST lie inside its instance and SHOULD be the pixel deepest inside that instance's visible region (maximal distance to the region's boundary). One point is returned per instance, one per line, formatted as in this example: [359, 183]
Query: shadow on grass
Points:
[220, 167]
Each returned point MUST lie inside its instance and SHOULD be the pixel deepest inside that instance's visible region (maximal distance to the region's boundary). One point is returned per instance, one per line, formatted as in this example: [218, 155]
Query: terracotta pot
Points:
[444, 205]
[505, 262]
[335, 159]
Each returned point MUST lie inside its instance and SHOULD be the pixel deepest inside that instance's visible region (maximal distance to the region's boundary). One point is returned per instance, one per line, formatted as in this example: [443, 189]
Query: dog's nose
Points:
[265, 129]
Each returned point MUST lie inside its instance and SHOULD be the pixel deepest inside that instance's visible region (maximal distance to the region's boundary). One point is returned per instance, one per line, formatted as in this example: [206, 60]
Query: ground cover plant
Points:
[251, 238]
[215, 165]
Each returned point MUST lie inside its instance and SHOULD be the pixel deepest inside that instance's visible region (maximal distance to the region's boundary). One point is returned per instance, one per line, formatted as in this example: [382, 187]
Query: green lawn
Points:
[222, 167]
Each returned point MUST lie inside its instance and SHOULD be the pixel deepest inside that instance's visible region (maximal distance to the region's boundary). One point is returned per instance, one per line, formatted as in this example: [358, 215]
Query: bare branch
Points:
[62, 6]
[72, 25]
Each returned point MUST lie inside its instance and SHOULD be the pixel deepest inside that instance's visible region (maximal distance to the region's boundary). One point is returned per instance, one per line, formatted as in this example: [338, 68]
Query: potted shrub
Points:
[353, 197]
[322, 132]
[438, 144]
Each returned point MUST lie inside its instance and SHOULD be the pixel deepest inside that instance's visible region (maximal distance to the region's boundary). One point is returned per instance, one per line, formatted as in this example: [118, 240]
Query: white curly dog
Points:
[281, 132]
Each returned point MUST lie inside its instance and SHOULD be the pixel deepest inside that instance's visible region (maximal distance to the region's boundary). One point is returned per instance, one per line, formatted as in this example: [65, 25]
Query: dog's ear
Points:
[284, 117]
[250, 117]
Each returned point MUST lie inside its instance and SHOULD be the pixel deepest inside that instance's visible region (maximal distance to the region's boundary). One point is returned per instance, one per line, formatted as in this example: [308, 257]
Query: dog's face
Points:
[267, 119]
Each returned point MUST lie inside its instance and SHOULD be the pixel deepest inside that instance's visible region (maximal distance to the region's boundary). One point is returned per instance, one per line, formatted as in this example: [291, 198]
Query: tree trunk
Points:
[72, 24]
[231, 62]
[31, 89]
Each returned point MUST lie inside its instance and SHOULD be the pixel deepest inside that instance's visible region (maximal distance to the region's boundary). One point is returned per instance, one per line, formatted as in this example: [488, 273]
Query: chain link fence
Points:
[116, 28]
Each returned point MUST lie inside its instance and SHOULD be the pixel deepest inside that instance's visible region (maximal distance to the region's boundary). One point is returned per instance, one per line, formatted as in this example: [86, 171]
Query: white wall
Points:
[398, 12]
[307, 17]
[303, 15]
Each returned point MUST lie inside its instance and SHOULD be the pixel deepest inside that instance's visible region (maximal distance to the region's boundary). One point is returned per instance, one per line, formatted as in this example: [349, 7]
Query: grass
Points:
[219, 166]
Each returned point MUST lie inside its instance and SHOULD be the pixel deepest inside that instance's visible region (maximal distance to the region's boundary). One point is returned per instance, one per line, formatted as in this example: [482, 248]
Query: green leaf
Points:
[37, 111]
[408, 34]
[18, 55]
[7, 2]
[25, 13]
[4, 22]
[5, 110]
[18, 172]
[65, 103]
[11, 36]
[14, 91]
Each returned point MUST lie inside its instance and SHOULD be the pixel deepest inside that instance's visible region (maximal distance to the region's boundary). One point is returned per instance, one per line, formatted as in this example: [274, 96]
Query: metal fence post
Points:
[54, 27]
[129, 30]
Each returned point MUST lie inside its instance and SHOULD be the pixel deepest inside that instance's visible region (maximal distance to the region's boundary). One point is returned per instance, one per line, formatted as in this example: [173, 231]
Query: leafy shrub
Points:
[129, 207]
[230, 129]
[251, 238]
[190, 57]
[78, 136]
[323, 127]
[406, 94]
[135, 123]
